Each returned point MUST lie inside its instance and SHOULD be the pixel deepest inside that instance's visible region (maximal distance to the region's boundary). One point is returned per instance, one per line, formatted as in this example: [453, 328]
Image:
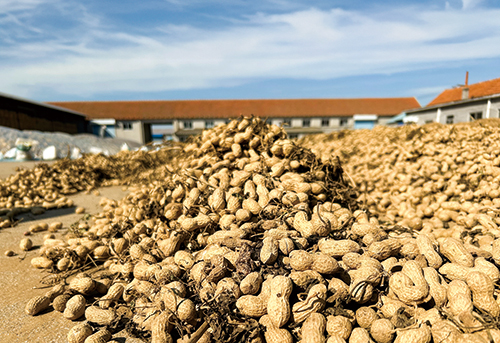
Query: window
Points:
[343, 122]
[476, 115]
[293, 135]
[187, 124]
[209, 124]
[449, 119]
[306, 123]
[287, 122]
[127, 126]
[325, 122]
[429, 121]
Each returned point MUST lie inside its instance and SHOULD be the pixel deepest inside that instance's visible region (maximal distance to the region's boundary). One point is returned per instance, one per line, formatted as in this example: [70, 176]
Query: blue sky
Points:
[64, 50]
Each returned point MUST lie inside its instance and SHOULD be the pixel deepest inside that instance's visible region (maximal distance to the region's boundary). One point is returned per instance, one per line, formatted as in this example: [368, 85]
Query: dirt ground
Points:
[18, 280]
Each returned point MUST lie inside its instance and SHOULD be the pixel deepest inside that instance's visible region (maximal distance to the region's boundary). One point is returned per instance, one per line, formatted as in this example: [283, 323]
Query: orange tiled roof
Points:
[194, 109]
[476, 90]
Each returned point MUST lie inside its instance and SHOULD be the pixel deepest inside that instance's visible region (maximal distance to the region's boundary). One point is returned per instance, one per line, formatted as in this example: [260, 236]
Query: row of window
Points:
[476, 115]
[307, 122]
[286, 122]
[187, 124]
[450, 119]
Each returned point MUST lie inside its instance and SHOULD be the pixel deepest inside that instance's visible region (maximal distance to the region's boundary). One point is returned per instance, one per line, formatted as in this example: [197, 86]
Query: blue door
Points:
[364, 124]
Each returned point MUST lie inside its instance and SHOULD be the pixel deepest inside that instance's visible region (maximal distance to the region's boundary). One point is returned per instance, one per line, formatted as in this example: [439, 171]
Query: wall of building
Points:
[275, 121]
[130, 130]
[383, 120]
[298, 122]
[24, 115]
[336, 122]
[180, 131]
[425, 117]
[199, 124]
[315, 122]
[460, 112]
[9, 118]
[291, 124]
[495, 108]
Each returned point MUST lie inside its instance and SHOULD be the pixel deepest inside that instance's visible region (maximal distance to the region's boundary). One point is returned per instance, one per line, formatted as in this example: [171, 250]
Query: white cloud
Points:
[468, 4]
[7, 6]
[13, 14]
[312, 44]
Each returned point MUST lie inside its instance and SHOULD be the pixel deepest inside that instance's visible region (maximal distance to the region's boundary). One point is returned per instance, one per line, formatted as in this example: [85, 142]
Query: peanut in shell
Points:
[75, 307]
[25, 244]
[83, 285]
[100, 316]
[79, 333]
[59, 303]
[37, 305]
[278, 306]
[382, 331]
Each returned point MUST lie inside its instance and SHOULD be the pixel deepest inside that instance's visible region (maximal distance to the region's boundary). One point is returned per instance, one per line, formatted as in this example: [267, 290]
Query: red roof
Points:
[204, 109]
[476, 90]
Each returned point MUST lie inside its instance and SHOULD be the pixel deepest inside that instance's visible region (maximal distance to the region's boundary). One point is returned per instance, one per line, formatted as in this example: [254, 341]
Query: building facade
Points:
[141, 121]
[464, 103]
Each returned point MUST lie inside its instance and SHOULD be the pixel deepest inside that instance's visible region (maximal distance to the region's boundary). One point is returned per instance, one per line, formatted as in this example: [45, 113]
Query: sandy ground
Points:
[18, 279]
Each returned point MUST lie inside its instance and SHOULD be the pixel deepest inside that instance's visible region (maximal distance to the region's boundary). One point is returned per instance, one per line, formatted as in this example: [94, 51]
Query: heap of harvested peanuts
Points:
[251, 237]
[47, 186]
[438, 176]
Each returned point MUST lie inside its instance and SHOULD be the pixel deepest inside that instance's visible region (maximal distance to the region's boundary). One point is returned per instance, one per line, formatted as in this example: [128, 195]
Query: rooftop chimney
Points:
[465, 89]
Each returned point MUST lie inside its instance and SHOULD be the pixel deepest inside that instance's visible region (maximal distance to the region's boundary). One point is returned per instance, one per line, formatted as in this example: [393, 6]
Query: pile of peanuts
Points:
[251, 237]
[47, 186]
[438, 177]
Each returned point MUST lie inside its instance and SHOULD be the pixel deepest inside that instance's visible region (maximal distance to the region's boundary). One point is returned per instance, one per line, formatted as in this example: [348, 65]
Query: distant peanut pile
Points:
[250, 237]
[435, 178]
[47, 186]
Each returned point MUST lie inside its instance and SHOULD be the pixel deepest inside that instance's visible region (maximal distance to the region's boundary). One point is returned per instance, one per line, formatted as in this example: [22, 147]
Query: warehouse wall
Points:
[131, 130]
[23, 121]
[460, 112]
[9, 118]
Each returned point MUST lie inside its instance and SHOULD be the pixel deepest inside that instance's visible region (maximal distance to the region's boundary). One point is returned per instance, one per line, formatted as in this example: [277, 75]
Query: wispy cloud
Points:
[467, 4]
[90, 57]
[7, 6]
[14, 19]
[427, 91]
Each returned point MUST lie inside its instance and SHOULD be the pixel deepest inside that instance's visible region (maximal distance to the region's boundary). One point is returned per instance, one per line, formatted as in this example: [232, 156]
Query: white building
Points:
[462, 104]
